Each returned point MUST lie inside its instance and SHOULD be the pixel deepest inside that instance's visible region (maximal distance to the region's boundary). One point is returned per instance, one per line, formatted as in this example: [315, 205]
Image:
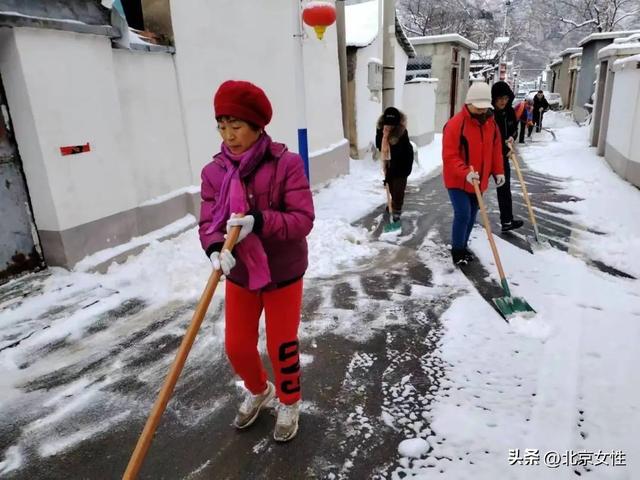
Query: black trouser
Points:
[397, 186]
[504, 194]
[537, 119]
[523, 127]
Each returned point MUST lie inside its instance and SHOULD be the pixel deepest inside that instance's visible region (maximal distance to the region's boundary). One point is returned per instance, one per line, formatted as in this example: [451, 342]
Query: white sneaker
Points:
[287, 422]
[251, 406]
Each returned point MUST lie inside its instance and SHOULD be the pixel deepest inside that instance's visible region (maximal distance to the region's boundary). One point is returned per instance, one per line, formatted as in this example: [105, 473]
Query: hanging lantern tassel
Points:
[319, 15]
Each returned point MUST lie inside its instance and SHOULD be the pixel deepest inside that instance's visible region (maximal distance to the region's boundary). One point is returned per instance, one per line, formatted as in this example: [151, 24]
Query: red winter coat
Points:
[465, 142]
[280, 190]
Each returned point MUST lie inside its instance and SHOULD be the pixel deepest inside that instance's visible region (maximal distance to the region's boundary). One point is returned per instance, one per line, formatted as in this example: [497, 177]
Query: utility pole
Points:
[388, 52]
[300, 94]
[342, 62]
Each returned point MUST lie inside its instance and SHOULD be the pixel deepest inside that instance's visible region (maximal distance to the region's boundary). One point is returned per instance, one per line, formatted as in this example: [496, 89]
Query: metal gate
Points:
[19, 248]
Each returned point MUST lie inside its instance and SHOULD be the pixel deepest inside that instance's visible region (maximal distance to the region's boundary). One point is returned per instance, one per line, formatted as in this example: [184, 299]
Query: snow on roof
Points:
[624, 61]
[605, 36]
[557, 61]
[423, 80]
[489, 54]
[403, 40]
[361, 23]
[570, 51]
[622, 46]
[576, 55]
[447, 38]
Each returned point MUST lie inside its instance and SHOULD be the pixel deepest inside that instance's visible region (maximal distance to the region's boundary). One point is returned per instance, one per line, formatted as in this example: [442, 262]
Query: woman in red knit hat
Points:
[261, 180]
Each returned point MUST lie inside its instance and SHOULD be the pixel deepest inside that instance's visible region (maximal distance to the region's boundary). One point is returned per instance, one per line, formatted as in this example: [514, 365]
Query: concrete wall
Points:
[401, 58]
[420, 108]
[126, 106]
[367, 108]
[441, 66]
[210, 48]
[563, 82]
[554, 81]
[622, 150]
[585, 86]
[149, 117]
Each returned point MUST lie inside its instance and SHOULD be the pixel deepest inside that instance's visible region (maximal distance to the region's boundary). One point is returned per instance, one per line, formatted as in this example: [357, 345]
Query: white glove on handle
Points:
[500, 180]
[223, 261]
[471, 176]
[245, 222]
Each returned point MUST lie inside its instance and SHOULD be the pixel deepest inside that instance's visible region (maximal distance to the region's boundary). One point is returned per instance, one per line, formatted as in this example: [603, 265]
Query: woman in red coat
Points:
[263, 181]
[470, 139]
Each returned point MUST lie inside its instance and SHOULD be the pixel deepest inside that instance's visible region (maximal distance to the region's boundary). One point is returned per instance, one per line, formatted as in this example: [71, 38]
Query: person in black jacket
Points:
[505, 117]
[540, 105]
[392, 139]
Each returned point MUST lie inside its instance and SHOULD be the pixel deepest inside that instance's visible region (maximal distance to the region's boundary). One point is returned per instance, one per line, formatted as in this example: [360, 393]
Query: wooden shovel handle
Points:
[487, 227]
[516, 163]
[142, 447]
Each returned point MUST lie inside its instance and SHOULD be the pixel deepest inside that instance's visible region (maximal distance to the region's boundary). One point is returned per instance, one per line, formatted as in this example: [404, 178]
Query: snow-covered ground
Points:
[563, 381]
[165, 272]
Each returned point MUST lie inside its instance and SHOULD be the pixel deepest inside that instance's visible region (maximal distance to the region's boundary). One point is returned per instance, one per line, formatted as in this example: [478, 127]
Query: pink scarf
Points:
[233, 199]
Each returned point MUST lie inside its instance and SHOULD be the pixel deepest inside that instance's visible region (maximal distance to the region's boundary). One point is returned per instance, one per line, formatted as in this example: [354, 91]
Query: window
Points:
[463, 65]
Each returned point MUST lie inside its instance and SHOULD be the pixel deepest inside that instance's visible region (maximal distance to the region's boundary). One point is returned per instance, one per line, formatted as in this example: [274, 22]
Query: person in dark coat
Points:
[505, 117]
[540, 105]
[392, 139]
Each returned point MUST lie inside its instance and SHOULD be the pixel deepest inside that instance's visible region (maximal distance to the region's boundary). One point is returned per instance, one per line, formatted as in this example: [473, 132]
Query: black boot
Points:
[468, 255]
[512, 225]
[458, 256]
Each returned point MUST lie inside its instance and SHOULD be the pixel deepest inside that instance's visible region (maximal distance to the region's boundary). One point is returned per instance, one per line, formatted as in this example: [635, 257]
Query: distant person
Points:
[505, 117]
[524, 114]
[540, 105]
[471, 138]
[392, 139]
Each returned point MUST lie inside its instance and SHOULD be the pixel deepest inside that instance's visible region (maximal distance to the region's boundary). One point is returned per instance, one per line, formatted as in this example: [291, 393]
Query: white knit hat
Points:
[479, 95]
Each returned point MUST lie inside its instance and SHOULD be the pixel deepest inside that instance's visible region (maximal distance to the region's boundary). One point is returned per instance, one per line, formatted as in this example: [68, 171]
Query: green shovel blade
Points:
[391, 227]
[509, 306]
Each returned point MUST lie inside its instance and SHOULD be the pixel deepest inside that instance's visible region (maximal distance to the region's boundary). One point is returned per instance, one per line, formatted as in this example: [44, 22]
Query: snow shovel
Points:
[142, 447]
[538, 240]
[508, 306]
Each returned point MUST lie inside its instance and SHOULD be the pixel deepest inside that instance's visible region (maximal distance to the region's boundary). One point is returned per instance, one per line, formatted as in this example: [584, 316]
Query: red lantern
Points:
[319, 15]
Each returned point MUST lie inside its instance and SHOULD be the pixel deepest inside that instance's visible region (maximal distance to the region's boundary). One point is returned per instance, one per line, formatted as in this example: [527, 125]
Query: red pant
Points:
[282, 313]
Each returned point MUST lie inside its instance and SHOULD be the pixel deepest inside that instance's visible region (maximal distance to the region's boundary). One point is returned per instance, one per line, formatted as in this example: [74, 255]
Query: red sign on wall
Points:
[73, 149]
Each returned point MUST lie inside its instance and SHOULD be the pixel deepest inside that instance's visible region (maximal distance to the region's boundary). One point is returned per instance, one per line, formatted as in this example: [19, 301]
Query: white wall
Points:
[24, 125]
[322, 84]
[71, 98]
[623, 133]
[401, 58]
[420, 107]
[152, 122]
[367, 109]
[211, 48]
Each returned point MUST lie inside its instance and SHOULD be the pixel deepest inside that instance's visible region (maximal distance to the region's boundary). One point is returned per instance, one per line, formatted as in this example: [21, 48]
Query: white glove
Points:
[245, 222]
[471, 176]
[500, 180]
[223, 260]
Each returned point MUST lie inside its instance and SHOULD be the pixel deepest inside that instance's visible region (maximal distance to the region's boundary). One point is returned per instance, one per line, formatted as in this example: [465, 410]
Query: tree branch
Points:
[578, 25]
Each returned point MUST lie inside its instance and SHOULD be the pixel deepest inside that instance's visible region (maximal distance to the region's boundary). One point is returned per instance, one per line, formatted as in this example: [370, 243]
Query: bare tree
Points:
[596, 15]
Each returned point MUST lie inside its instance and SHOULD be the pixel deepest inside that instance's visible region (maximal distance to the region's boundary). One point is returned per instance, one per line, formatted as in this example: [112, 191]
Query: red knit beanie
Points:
[244, 101]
